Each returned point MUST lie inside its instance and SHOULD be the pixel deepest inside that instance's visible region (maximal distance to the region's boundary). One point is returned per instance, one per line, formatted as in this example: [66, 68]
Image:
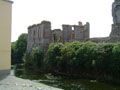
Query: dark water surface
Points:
[60, 82]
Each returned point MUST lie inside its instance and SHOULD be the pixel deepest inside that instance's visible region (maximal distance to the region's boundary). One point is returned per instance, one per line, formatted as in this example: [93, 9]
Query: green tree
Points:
[13, 55]
[104, 57]
[54, 53]
[38, 57]
[85, 56]
[115, 62]
[69, 62]
[19, 48]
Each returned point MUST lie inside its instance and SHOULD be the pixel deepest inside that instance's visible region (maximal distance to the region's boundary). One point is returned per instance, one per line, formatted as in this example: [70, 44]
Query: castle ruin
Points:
[41, 35]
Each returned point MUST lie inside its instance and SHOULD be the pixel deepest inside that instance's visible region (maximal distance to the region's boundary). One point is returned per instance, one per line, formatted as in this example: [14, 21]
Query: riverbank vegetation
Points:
[90, 60]
[86, 60]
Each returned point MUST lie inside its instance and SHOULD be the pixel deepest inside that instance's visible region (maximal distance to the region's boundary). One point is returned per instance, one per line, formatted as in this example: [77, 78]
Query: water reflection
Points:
[61, 82]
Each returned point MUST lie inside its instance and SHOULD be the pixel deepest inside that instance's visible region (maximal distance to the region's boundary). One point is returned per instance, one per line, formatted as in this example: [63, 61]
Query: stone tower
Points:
[81, 32]
[67, 33]
[39, 36]
[116, 19]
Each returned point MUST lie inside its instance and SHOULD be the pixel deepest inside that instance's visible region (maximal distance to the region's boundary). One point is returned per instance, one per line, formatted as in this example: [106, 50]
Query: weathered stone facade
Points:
[75, 32]
[56, 35]
[81, 32]
[115, 32]
[67, 33]
[41, 35]
[116, 19]
[116, 11]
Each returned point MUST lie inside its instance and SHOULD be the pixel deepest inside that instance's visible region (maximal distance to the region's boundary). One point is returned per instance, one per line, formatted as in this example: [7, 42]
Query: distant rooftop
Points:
[8, 1]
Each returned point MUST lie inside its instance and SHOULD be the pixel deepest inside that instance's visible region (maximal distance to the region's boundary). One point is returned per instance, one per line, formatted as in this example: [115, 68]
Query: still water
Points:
[62, 82]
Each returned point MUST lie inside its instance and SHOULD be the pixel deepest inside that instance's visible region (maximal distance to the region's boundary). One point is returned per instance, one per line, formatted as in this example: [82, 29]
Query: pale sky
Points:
[29, 12]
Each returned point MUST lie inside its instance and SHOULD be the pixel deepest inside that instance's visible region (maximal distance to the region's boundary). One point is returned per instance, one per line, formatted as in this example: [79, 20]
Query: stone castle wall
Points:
[41, 35]
[81, 32]
[67, 33]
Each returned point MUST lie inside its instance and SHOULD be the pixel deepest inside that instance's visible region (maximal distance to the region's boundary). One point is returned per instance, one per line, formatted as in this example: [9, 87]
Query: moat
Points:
[62, 82]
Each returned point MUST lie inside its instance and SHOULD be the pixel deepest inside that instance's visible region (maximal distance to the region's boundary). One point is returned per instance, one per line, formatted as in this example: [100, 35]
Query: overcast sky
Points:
[29, 12]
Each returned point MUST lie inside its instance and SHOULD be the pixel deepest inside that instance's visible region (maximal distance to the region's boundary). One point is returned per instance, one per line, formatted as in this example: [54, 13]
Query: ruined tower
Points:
[67, 33]
[39, 36]
[81, 32]
[45, 34]
[116, 19]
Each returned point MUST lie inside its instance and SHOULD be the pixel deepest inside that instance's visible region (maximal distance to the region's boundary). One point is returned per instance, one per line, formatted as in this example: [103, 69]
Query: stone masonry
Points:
[41, 35]
[116, 19]
[81, 32]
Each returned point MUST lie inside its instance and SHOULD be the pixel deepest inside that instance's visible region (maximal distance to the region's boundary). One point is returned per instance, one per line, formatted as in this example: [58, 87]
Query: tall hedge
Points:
[88, 57]
[80, 58]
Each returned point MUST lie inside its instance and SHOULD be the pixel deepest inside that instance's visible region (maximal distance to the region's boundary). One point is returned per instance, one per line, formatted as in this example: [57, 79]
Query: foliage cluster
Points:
[71, 58]
[18, 48]
[35, 58]
[85, 58]
[78, 58]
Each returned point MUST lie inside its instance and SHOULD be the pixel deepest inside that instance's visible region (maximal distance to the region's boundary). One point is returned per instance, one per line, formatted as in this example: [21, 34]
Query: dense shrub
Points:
[54, 55]
[88, 57]
[35, 58]
[92, 59]
[104, 57]
[18, 48]
[115, 62]
[86, 54]
[28, 59]
[72, 57]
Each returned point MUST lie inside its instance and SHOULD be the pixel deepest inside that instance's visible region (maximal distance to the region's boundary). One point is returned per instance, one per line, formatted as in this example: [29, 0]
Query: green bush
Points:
[28, 59]
[18, 49]
[69, 57]
[115, 62]
[79, 58]
[54, 55]
[35, 58]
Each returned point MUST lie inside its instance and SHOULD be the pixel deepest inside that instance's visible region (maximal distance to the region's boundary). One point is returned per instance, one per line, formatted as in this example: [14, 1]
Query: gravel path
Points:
[14, 83]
